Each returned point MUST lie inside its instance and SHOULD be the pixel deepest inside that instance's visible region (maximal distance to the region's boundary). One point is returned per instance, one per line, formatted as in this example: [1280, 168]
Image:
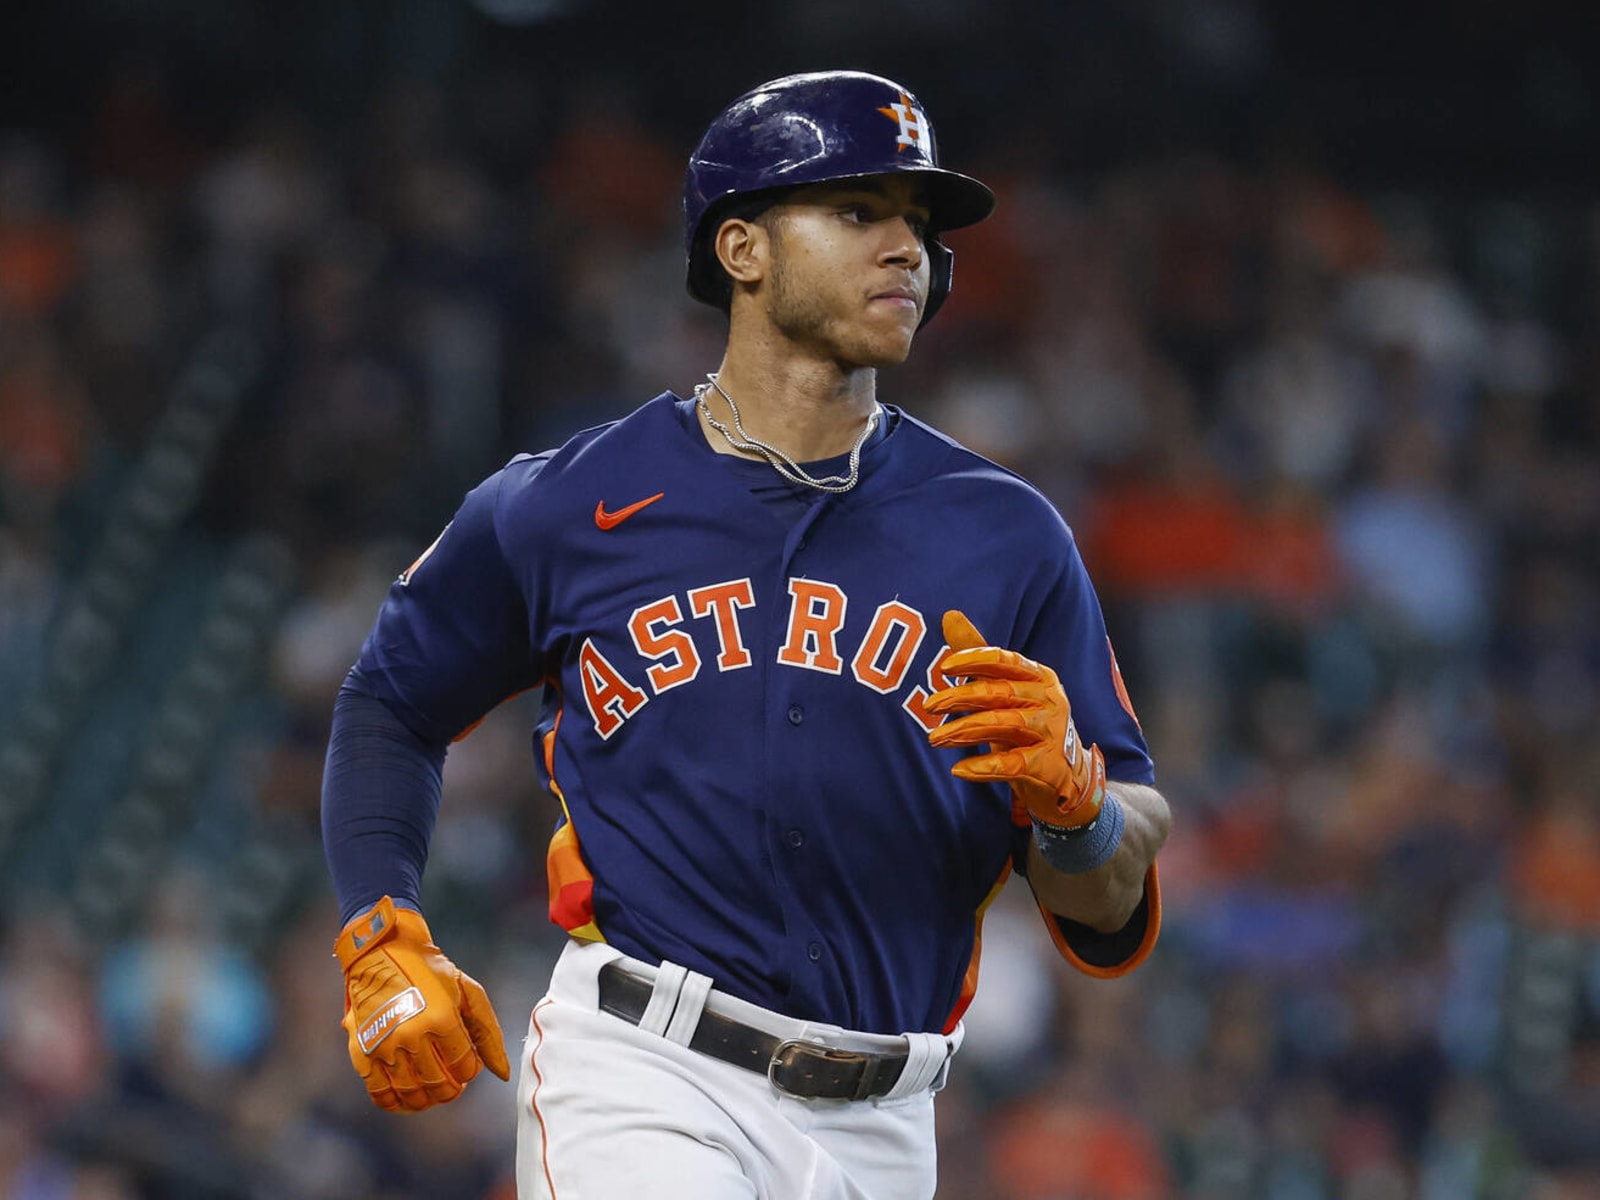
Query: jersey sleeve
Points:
[380, 797]
[1070, 636]
[452, 639]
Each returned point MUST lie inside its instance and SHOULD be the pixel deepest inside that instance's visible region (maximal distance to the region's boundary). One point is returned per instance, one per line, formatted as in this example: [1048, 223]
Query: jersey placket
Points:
[806, 954]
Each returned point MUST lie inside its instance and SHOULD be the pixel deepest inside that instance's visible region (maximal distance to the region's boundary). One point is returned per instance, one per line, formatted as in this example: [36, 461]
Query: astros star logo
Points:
[914, 129]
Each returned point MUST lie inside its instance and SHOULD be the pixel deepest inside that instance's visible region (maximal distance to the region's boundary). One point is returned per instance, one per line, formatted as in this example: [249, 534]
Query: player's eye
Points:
[868, 213]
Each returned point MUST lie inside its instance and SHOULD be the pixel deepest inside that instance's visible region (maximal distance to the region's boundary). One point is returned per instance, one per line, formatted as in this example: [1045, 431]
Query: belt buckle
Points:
[784, 1057]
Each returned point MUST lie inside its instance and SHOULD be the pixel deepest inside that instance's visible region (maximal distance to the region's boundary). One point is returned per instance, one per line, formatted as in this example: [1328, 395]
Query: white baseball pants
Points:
[612, 1111]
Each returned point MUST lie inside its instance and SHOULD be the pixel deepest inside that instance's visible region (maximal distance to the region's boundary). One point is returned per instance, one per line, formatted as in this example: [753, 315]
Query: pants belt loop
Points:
[953, 1041]
[927, 1055]
[691, 1003]
[663, 998]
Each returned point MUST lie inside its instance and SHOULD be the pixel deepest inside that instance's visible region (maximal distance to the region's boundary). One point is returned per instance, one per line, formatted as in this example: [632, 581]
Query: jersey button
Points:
[795, 838]
[814, 952]
[796, 714]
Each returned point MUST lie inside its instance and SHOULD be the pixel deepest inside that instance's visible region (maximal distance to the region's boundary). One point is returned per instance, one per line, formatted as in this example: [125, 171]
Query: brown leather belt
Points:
[798, 1068]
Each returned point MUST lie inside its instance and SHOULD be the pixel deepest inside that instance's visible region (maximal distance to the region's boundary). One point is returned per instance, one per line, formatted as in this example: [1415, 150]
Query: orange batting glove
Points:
[419, 1028]
[1018, 707]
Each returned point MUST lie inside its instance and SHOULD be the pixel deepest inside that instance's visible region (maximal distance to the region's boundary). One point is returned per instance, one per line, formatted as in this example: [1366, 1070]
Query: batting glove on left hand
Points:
[419, 1027]
[1019, 708]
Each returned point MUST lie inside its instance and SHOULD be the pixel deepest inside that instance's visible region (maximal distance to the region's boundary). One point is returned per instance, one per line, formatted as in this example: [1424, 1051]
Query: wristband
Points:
[1074, 851]
[377, 924]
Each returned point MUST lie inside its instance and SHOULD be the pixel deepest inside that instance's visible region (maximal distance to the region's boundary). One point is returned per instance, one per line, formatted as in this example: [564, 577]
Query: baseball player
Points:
[817, 679]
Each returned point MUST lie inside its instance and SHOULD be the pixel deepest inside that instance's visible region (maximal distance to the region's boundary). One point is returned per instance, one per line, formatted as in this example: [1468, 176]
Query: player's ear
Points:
[744, 248]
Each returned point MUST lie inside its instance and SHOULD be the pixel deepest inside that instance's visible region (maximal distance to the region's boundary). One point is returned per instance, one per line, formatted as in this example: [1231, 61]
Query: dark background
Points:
[1476, 94]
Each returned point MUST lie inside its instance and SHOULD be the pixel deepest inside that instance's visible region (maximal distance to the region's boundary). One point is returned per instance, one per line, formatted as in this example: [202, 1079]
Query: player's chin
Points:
[898, 356]
[887, 344]
[901, 349]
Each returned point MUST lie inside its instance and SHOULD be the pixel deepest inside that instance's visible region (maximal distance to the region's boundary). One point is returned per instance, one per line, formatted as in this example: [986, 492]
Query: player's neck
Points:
[810, 410]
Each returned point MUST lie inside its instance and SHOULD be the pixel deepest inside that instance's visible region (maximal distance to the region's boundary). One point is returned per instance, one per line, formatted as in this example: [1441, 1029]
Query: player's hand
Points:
[419, 1028]
[1018, 707]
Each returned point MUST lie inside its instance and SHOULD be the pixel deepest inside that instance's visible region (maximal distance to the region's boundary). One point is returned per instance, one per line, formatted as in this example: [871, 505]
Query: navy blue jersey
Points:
[734, 724]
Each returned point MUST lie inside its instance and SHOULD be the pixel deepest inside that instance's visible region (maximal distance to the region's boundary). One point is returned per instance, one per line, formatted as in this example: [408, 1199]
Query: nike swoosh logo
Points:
[610, 520]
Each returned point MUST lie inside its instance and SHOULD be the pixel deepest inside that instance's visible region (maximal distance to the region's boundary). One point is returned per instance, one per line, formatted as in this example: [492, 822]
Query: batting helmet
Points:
[813, 128]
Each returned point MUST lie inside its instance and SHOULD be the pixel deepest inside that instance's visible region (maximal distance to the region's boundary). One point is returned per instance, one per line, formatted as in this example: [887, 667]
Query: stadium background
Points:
[1294, 310]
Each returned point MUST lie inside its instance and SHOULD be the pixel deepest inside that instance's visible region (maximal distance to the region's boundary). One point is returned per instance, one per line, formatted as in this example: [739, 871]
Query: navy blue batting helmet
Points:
[815, 128]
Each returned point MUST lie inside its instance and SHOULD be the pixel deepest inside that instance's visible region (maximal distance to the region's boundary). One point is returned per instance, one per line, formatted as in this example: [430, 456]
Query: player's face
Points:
[848, 274]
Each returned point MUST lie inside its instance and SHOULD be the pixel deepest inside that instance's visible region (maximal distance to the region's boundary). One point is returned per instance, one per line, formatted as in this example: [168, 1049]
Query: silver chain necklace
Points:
[781, 462]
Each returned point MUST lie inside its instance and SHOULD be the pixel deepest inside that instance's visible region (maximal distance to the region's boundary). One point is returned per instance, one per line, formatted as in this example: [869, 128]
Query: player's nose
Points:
[902, 244]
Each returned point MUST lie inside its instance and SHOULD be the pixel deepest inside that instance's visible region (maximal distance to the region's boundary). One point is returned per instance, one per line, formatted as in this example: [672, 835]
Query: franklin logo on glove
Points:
[403, 1007]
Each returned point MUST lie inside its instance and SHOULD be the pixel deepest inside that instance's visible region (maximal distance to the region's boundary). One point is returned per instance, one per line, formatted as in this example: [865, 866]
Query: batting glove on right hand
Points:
[419, 1029]
[1020, 709]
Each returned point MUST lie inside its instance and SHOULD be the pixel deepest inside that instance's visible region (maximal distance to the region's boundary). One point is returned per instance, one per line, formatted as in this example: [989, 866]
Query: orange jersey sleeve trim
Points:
[1147, 942]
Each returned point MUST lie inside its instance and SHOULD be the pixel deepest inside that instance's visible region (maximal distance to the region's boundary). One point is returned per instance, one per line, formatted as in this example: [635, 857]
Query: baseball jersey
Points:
[733, 718]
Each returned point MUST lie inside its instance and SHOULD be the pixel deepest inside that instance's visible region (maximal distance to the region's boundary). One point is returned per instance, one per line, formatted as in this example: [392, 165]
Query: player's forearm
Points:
[380, 794]
[1106, 897]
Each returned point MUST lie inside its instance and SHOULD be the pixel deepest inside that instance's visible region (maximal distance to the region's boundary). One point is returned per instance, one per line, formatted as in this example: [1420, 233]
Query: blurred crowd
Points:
[1333, 456]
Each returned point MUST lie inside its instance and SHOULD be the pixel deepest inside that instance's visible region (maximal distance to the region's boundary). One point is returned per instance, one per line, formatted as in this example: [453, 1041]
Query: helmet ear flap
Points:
[941, 269]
